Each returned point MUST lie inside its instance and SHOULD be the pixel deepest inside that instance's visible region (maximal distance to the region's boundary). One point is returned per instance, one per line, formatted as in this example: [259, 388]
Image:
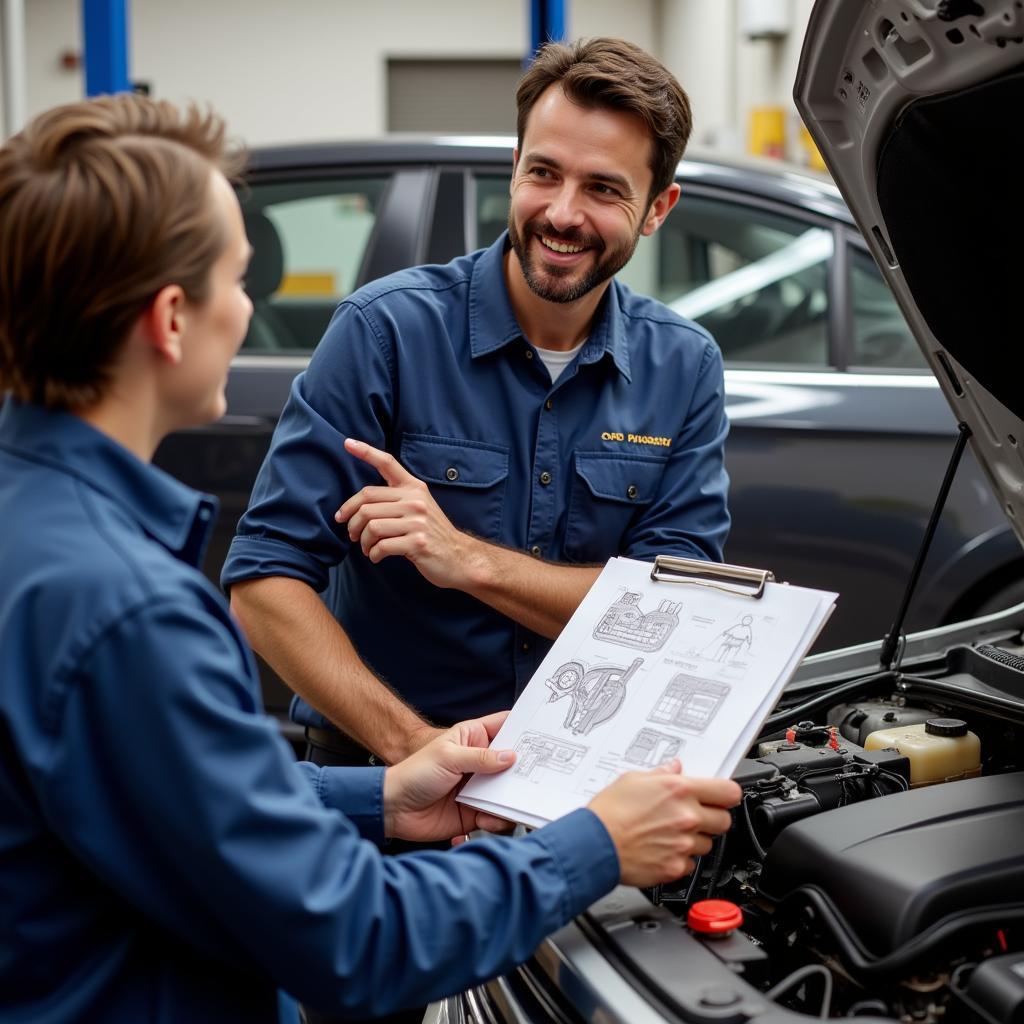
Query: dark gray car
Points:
[857, 884]
[839, 431]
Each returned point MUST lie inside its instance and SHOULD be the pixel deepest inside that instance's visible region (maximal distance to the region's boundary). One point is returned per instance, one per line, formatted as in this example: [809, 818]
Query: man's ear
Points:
[660, 208]
[163, 323]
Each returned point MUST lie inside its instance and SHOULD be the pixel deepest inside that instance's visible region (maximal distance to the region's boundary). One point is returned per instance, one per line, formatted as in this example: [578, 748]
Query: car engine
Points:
[877, 858]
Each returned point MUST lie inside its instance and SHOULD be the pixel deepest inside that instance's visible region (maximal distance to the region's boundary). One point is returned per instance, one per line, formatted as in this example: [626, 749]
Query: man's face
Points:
[579, 193]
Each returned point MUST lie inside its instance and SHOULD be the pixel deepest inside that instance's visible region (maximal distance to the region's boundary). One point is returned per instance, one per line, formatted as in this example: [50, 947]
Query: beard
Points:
[564, 284]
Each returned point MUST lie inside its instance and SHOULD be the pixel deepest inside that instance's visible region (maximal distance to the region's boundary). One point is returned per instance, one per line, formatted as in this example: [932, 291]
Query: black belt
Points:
[339, 743]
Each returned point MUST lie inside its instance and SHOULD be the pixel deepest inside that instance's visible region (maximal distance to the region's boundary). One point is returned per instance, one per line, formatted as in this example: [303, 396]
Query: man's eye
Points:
[605, 190]
[540, 172]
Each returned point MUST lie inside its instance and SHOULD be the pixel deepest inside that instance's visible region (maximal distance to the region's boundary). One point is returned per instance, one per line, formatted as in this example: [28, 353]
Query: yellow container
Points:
[939, 750]
[766, 134]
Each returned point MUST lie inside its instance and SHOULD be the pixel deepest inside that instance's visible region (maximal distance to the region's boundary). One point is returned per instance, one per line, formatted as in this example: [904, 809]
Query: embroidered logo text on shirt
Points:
[613, 435]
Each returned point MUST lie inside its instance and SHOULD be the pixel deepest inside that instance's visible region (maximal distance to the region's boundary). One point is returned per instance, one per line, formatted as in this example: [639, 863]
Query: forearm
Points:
[289, 626]
[541, 596]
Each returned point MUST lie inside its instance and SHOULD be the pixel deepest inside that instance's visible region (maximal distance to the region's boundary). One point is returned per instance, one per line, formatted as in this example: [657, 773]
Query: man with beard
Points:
[471, 442]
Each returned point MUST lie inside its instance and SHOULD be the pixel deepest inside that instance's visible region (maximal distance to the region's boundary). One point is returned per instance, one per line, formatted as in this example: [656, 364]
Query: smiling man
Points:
[511, 421]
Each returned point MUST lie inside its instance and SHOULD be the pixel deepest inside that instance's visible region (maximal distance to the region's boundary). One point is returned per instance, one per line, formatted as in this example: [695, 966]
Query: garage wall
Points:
[317, 69]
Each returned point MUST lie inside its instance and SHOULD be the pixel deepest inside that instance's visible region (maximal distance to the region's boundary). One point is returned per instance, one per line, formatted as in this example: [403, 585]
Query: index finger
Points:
[393, 472]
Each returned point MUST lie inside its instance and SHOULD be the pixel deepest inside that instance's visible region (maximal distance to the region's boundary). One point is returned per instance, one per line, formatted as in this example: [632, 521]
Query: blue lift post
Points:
[105, 24]
[547, 24]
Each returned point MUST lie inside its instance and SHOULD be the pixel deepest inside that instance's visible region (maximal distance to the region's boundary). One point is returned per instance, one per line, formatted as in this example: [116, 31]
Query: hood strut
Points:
[894, 639]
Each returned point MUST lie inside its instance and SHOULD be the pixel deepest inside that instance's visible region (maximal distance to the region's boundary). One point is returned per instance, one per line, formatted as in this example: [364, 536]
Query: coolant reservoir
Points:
[939, 750]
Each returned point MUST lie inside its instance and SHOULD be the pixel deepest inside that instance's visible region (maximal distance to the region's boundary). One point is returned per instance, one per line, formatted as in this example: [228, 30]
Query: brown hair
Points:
[613, 73]
[102, 204]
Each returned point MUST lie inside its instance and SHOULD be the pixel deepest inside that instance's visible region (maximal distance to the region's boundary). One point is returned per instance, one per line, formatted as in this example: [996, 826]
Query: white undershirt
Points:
[557, 361]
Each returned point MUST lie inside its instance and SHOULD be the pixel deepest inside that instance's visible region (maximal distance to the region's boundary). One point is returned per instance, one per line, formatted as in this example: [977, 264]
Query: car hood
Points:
[917, 108]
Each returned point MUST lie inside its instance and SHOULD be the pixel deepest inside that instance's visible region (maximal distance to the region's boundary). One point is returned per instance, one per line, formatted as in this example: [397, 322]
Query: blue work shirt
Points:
[162, 856]
[622, 455]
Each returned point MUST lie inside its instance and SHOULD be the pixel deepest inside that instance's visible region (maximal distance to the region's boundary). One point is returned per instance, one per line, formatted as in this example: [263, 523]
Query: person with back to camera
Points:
[162, 855]
[512, 420]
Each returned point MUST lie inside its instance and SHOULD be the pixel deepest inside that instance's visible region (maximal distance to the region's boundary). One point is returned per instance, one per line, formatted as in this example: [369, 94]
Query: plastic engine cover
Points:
[895, 865]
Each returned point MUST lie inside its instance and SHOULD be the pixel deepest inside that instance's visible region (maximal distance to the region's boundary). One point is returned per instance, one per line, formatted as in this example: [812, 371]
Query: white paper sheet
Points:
[643, 672]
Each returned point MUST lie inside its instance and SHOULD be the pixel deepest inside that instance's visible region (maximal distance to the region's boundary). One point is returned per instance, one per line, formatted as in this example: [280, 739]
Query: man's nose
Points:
[566, 208]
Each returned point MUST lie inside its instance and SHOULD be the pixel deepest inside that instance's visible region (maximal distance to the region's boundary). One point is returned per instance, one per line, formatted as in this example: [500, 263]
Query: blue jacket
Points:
[162, 856]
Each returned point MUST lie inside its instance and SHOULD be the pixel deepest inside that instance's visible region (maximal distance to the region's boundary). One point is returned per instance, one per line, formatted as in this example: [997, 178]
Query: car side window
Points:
[308, 240]
[881, 337]
[491, 207]
[757, 280]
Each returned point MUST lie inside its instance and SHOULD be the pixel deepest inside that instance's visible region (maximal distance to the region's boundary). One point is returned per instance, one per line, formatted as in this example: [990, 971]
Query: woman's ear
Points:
[163, 322]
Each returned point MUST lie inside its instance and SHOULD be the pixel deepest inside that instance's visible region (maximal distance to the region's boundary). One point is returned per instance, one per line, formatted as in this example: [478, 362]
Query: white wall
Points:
[316, 69]
[727, 75]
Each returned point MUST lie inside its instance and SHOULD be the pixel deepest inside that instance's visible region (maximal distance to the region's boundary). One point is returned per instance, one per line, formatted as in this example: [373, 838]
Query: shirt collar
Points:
[493, 324]
[175, 516]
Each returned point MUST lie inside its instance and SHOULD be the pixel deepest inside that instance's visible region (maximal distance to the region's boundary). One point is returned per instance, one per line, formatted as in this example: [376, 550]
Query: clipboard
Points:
[732, 579]
[644, 671]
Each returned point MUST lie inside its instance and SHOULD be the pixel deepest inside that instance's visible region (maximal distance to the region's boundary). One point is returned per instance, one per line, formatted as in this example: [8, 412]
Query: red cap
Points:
[714, 917]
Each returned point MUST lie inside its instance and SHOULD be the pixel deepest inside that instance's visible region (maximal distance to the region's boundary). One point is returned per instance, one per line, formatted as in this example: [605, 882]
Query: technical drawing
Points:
[596, 693]
[651, 748]
[734, 641]
[689, 703]
[535, 750]
[626, 625]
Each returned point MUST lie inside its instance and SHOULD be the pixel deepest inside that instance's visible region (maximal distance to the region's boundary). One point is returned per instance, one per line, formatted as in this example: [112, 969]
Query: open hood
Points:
[918, 109]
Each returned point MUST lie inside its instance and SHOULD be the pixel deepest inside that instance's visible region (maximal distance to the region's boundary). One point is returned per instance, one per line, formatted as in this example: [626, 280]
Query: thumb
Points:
[478, 759]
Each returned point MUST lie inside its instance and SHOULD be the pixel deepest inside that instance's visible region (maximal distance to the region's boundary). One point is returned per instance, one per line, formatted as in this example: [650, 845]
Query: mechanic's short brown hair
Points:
[613, 73]
[102, 204]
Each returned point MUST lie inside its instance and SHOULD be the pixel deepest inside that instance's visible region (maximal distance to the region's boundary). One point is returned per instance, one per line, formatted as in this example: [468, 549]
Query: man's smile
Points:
[556, 246]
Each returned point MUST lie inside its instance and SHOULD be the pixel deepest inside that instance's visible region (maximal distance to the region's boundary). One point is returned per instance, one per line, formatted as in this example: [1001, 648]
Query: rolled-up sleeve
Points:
[289, 528]
[690, 516]
[170, 785]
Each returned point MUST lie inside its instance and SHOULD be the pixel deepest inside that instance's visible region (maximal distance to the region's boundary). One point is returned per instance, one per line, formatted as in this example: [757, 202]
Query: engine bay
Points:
[876, 861]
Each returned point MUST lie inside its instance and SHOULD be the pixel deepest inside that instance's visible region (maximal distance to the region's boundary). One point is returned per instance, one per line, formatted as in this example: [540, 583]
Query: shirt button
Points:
[549, 405]
[524, 646]
[529, 353]
[453, 474]
[535, 551]
[545, 478]
[631, 491]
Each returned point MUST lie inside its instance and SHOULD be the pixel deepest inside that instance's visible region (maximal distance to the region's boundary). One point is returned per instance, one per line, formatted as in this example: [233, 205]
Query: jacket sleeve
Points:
[346, 391]
[357, 792]
[169, 784]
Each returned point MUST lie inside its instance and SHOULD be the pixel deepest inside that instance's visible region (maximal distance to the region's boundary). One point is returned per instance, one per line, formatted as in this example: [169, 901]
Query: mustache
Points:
[568, 236]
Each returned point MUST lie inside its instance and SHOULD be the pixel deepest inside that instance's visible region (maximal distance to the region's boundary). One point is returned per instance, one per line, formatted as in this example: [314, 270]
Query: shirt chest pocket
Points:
[609, 492]
[466, 478]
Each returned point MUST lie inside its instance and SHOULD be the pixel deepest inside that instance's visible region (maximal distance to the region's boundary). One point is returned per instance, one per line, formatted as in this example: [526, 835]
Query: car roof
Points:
[761, 178]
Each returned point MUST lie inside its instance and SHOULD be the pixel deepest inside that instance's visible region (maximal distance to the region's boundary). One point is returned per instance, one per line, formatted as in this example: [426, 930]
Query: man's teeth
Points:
[560, 246]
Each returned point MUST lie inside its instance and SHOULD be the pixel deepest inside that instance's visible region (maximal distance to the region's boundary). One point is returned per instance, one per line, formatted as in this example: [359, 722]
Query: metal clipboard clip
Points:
[733, 579]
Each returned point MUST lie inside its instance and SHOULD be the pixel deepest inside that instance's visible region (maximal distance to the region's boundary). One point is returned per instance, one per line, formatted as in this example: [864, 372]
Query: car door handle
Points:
[241, 423]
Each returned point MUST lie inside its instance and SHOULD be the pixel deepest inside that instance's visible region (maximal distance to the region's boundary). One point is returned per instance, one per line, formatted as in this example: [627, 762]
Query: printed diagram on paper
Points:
[645, 672]
[537, 753]
[625, 624]
[689, 703]
[651, 748]
[595, 694]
